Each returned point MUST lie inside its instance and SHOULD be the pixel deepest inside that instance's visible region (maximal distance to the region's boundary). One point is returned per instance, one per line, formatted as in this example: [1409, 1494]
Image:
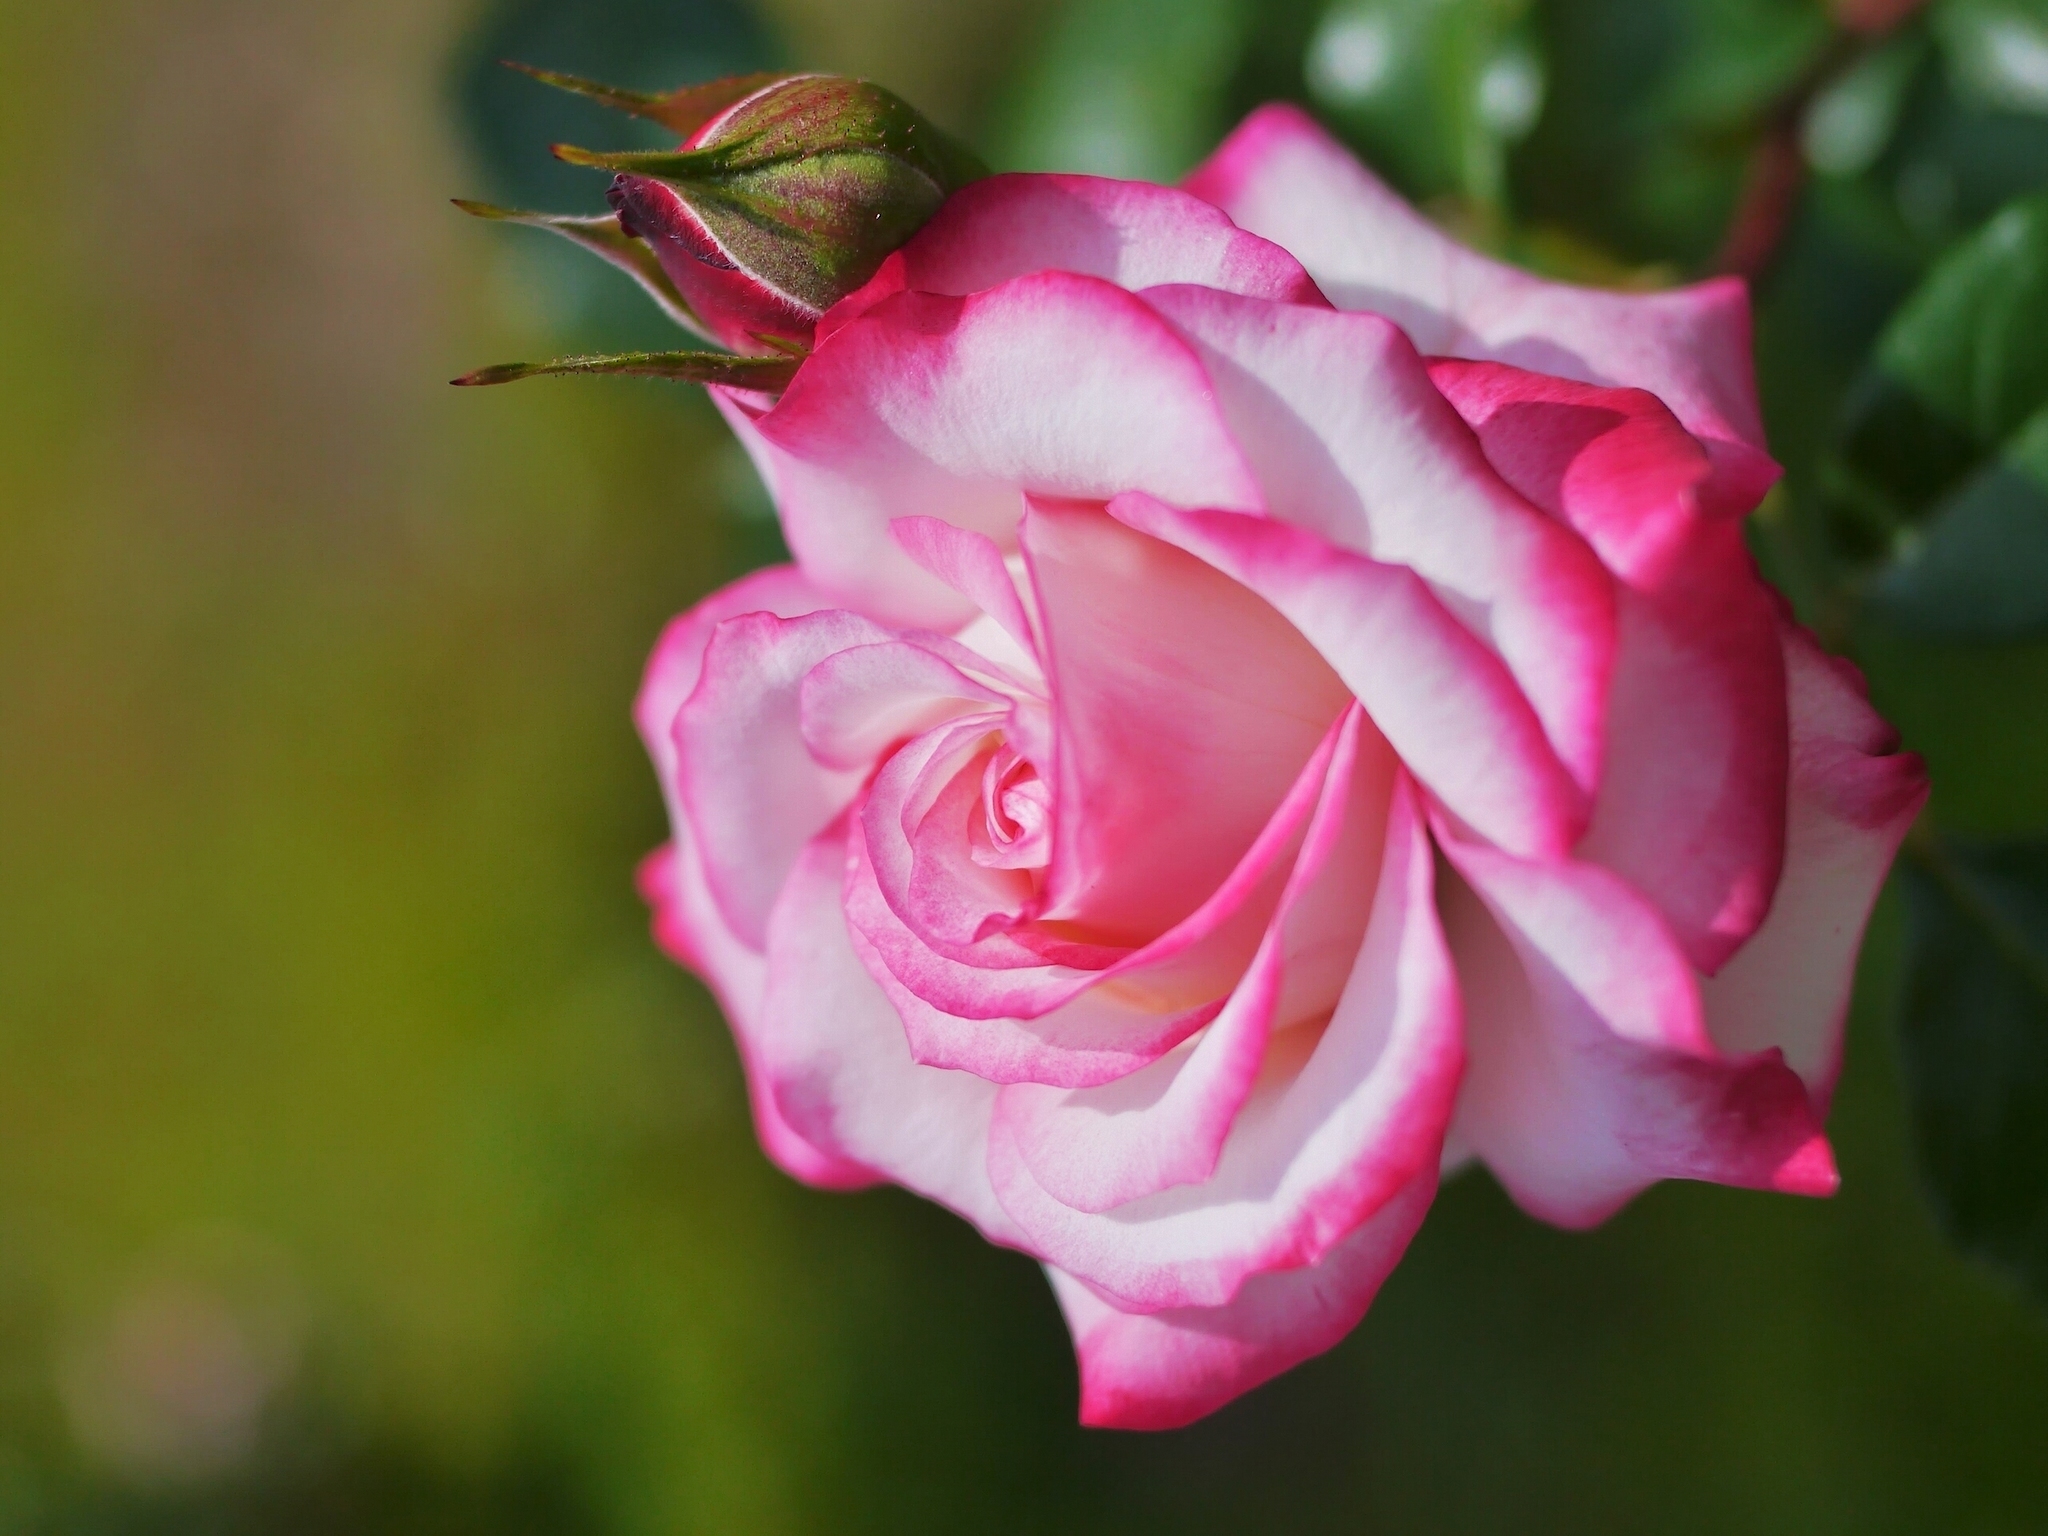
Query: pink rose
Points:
[1221, 759]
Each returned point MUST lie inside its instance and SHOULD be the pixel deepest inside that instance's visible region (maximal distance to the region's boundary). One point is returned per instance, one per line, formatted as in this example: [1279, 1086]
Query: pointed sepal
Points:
[682, 111]
[602, 235]
[767, 374]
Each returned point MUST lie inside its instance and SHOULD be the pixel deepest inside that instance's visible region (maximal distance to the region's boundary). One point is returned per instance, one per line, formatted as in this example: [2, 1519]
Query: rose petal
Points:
[745, 782]
[690, 931]
[857, 703]
[1352, 441]
[971, 565]
[1429, 684]
[1691, 807]
[945, 407]
[831, 1050]
[1100, 1148]
[1130, 233]
[1062, 1024]
[1184, 706]
[1281, 176]
[1853, 797]
[1592, 1074]
[1341, 1121]
[1161, 1370]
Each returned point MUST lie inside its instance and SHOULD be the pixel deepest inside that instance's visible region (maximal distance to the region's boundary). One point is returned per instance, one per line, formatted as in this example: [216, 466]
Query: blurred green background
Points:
[362, 1166]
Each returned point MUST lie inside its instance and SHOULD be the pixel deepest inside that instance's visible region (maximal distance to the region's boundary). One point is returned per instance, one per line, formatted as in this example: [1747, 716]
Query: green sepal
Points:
[602, 235]
[769, 374]
[682, 111]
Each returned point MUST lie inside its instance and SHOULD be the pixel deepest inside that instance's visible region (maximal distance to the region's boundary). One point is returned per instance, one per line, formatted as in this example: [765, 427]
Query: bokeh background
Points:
[362, 1166]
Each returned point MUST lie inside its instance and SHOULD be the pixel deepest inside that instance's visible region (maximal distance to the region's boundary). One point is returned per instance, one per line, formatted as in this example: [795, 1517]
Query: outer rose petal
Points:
[1281, 176]
[687, 923]
[831, 1050]
[1854, 795]
[945, 407]
[1429, 684]
[1352, 441]
[1161, 1370]
[678, 659]
[690, 931]
[1341, 1121]
[1691, 809]
[1592, 1075]
[745, 780]
[1130, 233]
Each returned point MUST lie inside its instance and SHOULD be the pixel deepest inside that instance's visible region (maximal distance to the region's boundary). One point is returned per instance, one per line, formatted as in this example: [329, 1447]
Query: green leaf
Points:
[1434, 89]
[1974, 1031]
[1979, 569]
[681, 111]
[1941, 458]
[1972, 343]
[601, 234]
[762, 373]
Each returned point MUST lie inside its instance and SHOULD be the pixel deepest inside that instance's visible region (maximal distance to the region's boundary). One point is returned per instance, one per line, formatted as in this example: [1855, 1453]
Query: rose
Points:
[1213, 766]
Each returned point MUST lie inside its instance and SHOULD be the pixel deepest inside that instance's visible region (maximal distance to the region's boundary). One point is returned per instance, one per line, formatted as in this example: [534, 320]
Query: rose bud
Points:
[780, 204]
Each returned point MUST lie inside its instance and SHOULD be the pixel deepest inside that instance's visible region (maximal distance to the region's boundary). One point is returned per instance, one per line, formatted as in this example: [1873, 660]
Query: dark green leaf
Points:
[1974, 1028]
[763, 373]
[1941, 461]
[1972, 343]
[1979, 569]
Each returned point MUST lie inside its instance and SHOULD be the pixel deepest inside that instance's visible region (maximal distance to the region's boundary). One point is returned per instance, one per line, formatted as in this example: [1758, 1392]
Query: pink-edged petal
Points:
[1592, 1074]
[1130, 233]
[831, 1050]
[1853, 797]
[1691, 805]
[1352, 441]
[1446, 702]
[1342, 1119]
[745, 781]
[929, 406]
[678, 658]
[1613, 463]
[1184, 707]
[971, 565]
[1161, 1370]
[857, 703]
[1064, 1025]
[689, 929]
[1283, 177]
[1166, 1125]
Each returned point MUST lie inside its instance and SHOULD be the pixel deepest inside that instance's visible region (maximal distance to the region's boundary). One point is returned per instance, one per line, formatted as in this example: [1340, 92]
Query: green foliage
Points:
[1134, 88]
[1943, 459]
[1434, 90]
[1975, 1031]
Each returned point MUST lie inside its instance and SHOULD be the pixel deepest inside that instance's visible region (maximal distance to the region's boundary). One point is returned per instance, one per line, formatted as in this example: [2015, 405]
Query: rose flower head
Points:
[1269, 707]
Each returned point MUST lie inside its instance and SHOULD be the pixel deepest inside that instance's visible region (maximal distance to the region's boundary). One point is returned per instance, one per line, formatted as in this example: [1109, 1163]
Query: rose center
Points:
[1015, 813]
